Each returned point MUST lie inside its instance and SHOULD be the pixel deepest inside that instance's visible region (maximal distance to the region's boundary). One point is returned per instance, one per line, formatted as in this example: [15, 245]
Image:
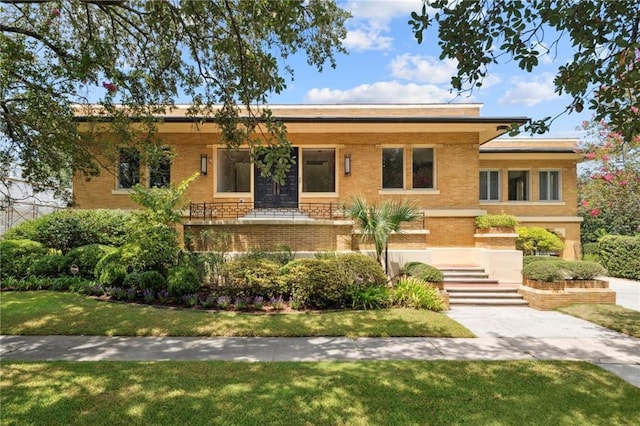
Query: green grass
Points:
[615, 317]
[336, 393]
[46, 313]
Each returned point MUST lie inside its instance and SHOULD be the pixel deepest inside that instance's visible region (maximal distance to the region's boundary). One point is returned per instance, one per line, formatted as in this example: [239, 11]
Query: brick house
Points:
[445, 158]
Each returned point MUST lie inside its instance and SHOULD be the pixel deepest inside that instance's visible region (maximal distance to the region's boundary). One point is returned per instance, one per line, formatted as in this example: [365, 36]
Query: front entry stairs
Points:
[470, 285]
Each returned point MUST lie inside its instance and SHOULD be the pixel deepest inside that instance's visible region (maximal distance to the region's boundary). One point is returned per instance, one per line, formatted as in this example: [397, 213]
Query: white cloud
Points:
[529, 93]
[381, 92]
[369, 28]
[423, 69]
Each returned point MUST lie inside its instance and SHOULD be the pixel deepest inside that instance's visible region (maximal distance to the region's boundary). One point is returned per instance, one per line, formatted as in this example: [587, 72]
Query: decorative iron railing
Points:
[235, 210]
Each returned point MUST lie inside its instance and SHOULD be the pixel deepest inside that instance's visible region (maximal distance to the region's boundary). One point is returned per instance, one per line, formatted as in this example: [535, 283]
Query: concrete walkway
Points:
[627, 292]
[504, 333]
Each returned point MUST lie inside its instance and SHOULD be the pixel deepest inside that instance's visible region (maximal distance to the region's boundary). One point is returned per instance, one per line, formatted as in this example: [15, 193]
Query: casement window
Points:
[128, 168]
[549, 185]
[519, 185]
[392, 168]
[489, 185]
[422, 168]
[233, 171]
[318, 170]
[160, 171]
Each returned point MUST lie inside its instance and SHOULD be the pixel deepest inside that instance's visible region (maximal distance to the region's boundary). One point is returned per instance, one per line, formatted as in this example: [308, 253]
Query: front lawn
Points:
[47, 313]
[615, 317]
[325, 393]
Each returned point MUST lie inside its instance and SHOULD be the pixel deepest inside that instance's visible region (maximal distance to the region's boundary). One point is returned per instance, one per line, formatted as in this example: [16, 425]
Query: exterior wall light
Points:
[203, 164]
[347, 164]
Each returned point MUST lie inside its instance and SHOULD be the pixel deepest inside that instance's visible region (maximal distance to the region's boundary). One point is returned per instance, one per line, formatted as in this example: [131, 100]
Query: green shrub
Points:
[533, 240]
[153, 247]
[620, 255]
[147, 280]
[582, 270]
[545, 271]
[374, 297]
[253, 276]
[87, 258]
[17, 255]
[183, 280]
[281, 255]
[51, 265]
[496, 221]
[67, 229]
[412, 292]
[364, 271]
[526, 260]
[423, 271]
[319, 283]
[590, 251]
[111, 269]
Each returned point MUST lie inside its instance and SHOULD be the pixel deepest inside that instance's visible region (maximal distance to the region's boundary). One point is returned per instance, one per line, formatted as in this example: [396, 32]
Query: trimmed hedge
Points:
[253, 276]
[183, 280]
[423, 271]
[364, 270]
[559, 270]
[87, 258]
[496, 221]
[620, 255]
[319, 283]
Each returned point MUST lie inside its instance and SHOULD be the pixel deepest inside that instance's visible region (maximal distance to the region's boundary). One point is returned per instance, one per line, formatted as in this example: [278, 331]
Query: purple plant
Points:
[163, 296]
[223, 302]
[208, 302]
[131, 294]
[96, 290]
[277, 303]
[148, 295]
[241, 303]
[190, 300]
[258, 302]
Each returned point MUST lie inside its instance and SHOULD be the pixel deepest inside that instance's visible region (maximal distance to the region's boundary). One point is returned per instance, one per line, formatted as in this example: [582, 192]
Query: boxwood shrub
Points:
[582, 270]
[423, 271]
[249, 276]
[546, 271]
[496, 221]
[183, 280]
[50, 265]
[532, 240]
[87, 258]
[319, 283]
[147, 280]
[363, 270]
[620, 255]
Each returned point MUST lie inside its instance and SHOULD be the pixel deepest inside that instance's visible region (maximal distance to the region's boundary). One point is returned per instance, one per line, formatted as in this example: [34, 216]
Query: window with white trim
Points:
[519, 185]
[392, 168]
[128, 168]
[422, 168]
[233, 170]
[549, 185]
[489, 185]
[318, 170]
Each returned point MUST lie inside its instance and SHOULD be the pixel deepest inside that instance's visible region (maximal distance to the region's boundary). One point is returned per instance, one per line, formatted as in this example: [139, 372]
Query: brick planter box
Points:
[495, 238]
[550, 295]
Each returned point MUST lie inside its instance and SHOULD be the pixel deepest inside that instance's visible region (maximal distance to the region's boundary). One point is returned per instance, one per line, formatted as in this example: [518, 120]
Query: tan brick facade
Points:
[450, 207]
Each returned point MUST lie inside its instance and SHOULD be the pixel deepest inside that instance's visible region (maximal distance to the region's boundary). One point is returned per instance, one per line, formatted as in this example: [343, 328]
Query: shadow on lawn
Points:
[398, 392]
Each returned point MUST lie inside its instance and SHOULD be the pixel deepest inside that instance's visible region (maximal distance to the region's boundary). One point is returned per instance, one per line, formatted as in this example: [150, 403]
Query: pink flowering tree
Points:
[609, 184]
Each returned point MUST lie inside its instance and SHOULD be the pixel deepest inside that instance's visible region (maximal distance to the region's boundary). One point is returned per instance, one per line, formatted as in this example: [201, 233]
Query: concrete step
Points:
[466, 274]
[488, 302]
[480, 281]
[487, 296]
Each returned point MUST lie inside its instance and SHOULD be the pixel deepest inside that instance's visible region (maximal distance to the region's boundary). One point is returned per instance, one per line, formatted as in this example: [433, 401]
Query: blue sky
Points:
[386, 65]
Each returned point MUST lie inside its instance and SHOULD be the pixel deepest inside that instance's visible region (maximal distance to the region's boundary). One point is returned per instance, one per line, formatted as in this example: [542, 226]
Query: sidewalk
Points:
[627, 292]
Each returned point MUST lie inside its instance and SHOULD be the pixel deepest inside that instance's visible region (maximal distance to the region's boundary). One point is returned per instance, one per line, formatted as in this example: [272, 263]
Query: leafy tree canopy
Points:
[603, 72]
[132, 59]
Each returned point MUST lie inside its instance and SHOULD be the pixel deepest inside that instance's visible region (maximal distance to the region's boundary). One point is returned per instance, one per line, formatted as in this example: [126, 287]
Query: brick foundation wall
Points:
[546, 300]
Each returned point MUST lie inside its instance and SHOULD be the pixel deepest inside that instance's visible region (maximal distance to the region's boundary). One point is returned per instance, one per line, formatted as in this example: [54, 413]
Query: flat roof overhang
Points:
[487, 128]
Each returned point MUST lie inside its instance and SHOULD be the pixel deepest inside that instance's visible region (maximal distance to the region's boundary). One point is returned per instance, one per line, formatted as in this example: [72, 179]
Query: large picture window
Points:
[423, 168]
[160, 171]
[489, 185]
[128, 168]
[549, 185]
[233, 171]
[318, 170]
[392, 168]
[519, 185]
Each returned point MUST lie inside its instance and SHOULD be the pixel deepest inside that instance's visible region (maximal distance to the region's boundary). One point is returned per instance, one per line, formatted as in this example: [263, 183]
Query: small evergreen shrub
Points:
[423, 271]
[87, 257]
[526, 260]
[620, 255]
[364, 270]
[319, 283]
[496, 221]
[183, 280]
[50, 265]
[147, 280]
[153, 247]
[533, 240]
[545, 271]
[18, 255]
[411, 292]
[281, 255]
[253, 276]
[582, 270]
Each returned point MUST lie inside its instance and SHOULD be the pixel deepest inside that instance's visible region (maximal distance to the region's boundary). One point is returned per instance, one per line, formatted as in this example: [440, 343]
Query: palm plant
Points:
[378, 222]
